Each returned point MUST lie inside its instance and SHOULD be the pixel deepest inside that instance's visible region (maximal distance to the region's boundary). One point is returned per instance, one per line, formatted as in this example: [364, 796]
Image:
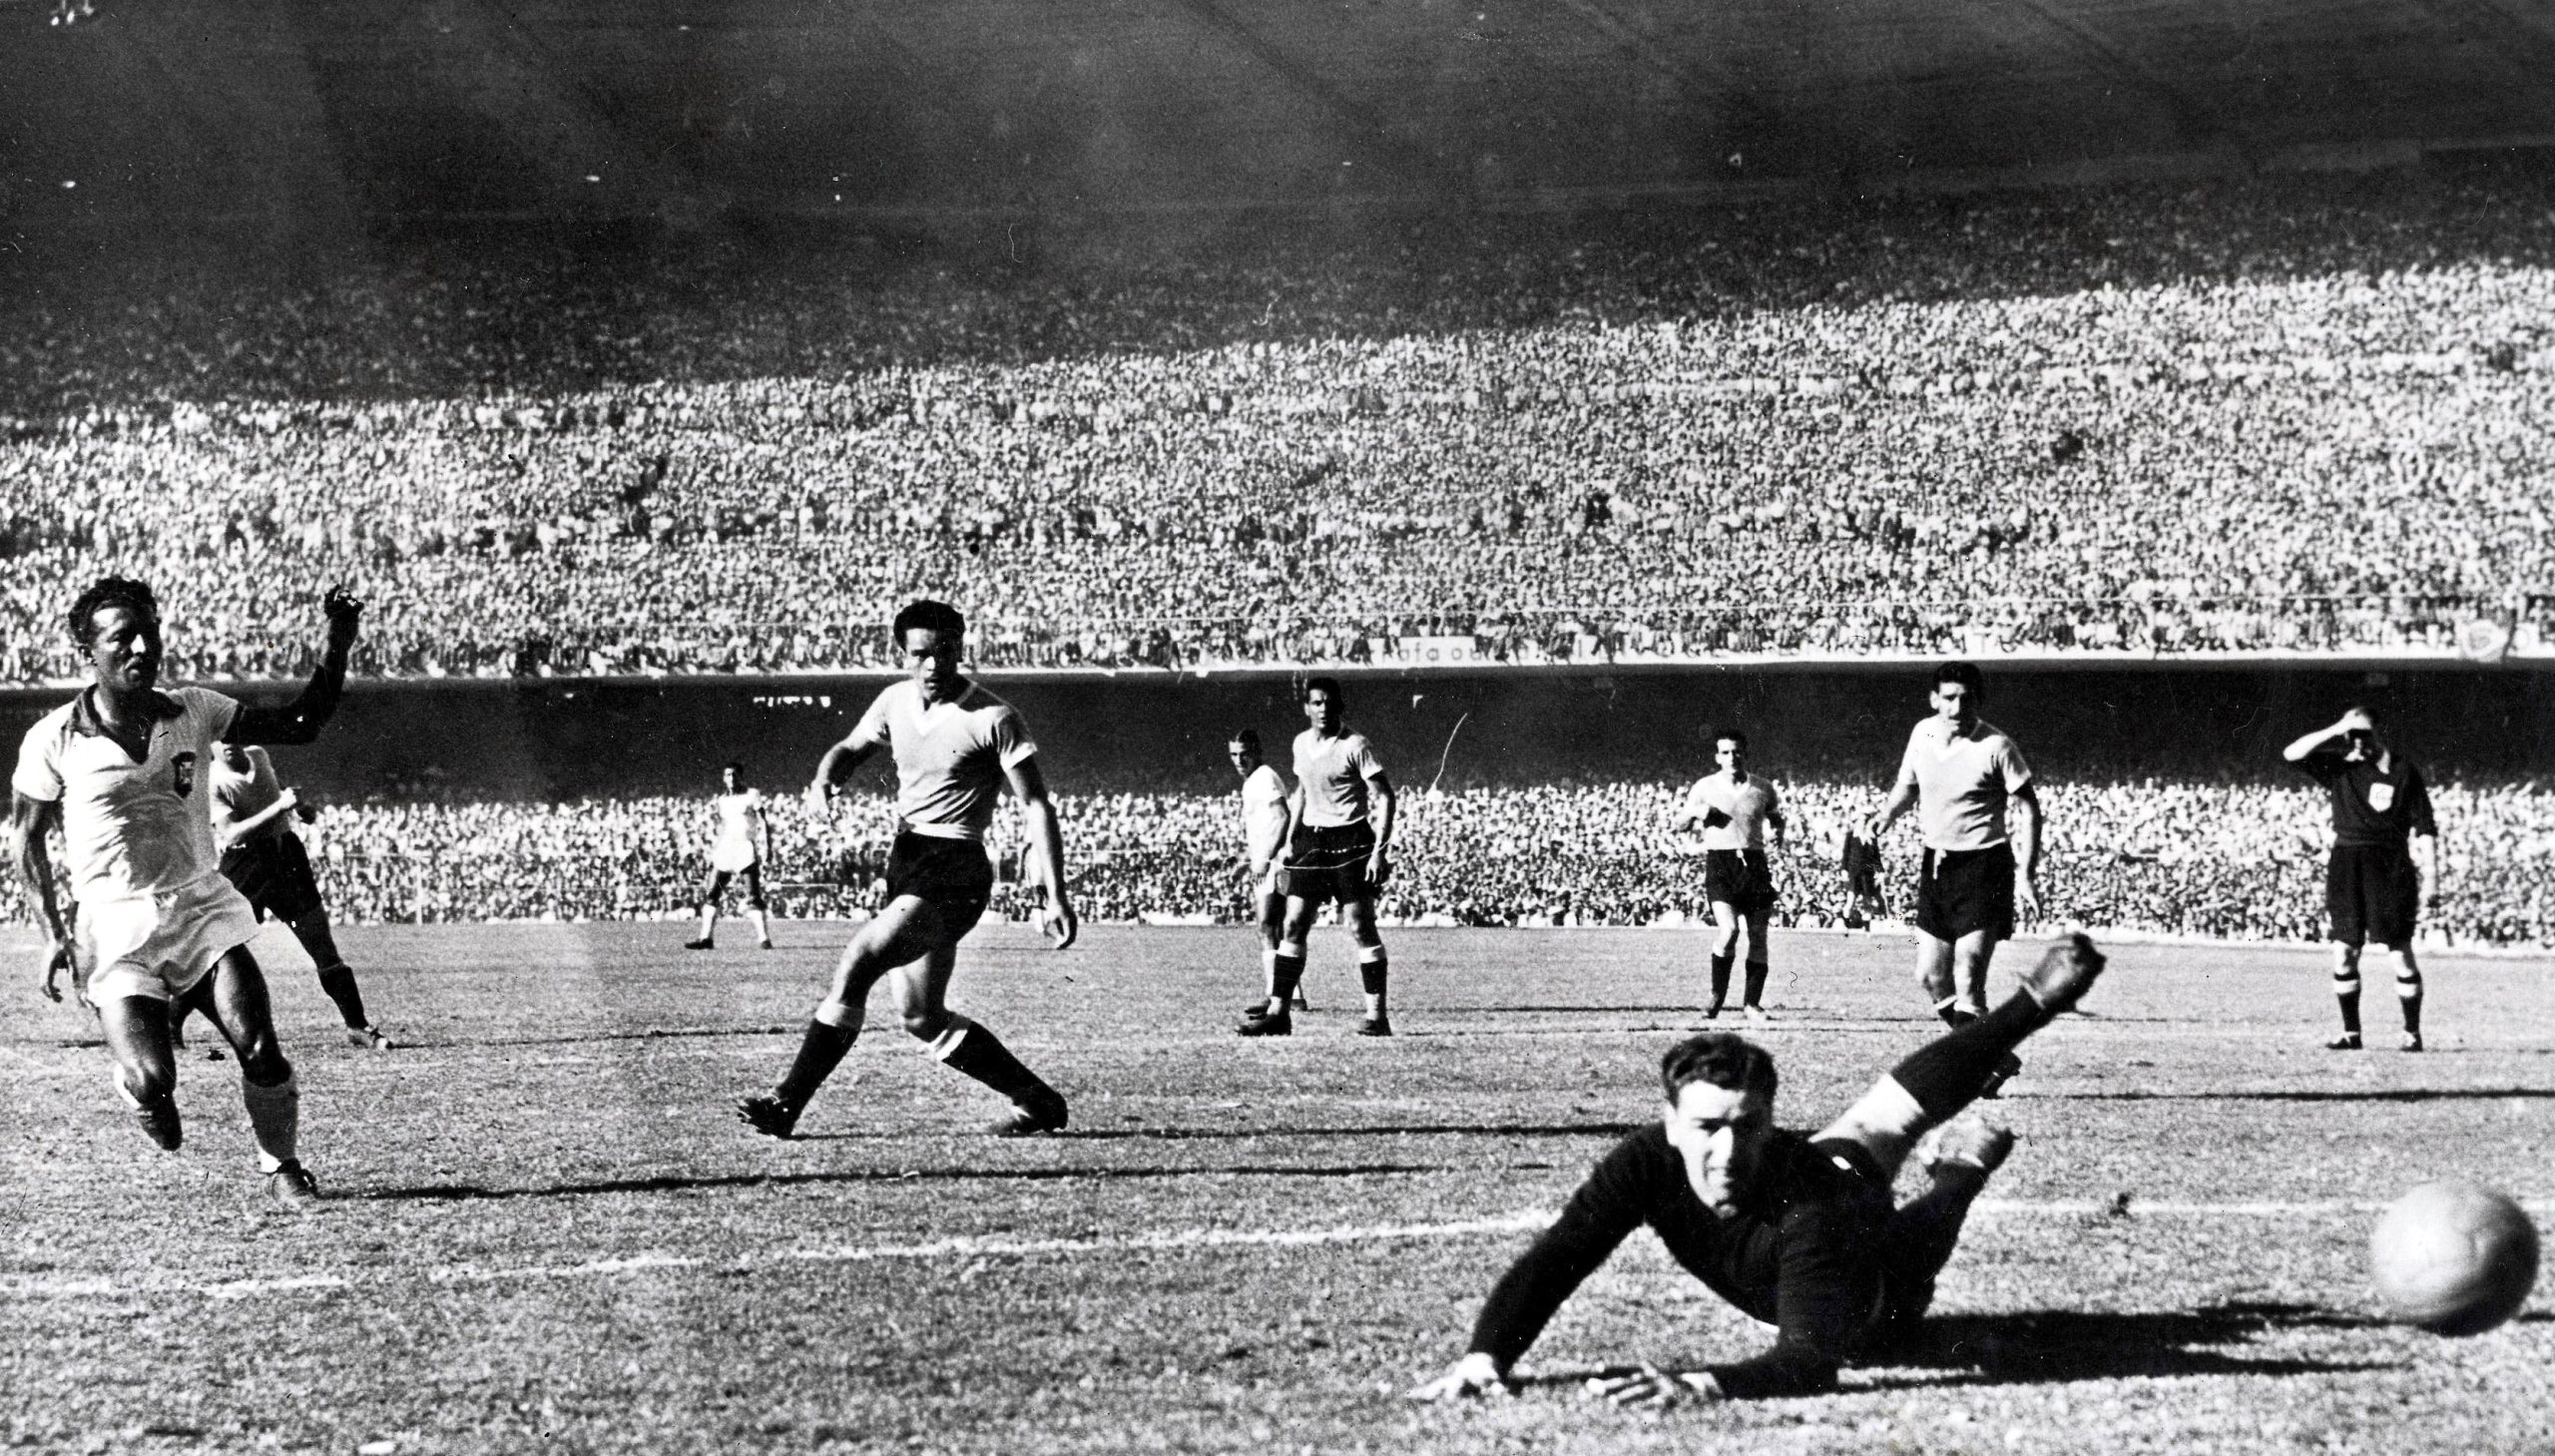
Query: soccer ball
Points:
[2453, 1257]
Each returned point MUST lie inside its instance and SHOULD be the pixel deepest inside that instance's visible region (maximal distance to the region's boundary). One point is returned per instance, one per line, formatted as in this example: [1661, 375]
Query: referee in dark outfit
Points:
[2372, 888]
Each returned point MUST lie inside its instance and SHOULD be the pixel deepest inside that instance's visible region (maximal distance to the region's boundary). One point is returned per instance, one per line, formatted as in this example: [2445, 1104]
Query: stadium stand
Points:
[2227, 860]
[2304, 415]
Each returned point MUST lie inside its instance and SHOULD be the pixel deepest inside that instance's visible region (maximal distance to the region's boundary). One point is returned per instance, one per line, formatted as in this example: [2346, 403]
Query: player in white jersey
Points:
[1726, 814]
[1962, 775]
[743, 844]
[1339, 831]
[956, 748]
[1264, 837]
[121, 773]
[264, 861]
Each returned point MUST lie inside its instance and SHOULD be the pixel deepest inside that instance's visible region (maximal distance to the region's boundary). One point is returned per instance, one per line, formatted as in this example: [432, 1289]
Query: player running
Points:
[122, 772]
[1963, 774]
[2372, 888]
[266, 862]
[743, 846]
[1264, 837]
[1727, 813]
[956, 747]
[1340, 830]
[1797, 1232]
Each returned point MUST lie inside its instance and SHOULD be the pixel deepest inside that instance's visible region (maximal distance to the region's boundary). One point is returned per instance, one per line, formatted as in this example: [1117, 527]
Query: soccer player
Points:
[1731, 810]
[2372, 888]
[742, 845]
[1263, 836]
[264, 861]
[1339, 831]
[956, 747]
[122, 772]
[1797, 1232]
[1965, 777]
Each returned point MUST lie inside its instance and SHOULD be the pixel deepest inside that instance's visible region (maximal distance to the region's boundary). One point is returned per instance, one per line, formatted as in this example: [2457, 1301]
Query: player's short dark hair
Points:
[1718, 736]
[1247, 738]
[1721, 1059]
[930, 616]
[1323, 684]
[103, 592]
[733, 767]
[1965, 674]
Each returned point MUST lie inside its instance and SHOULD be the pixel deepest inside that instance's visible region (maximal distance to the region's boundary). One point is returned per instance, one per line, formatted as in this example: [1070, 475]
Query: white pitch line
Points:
[967, 1247]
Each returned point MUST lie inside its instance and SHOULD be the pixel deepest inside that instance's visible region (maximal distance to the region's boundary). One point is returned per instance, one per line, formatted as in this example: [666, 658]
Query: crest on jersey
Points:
[2381, 795]
[182, 771]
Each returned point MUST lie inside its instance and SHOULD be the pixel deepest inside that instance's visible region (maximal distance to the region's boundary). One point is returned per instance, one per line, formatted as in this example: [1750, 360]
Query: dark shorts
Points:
[952, 875]
[718, 885]
[1328, 863]
[2372, 892]
[275, 873]
[1964, 890]
[1739, 878]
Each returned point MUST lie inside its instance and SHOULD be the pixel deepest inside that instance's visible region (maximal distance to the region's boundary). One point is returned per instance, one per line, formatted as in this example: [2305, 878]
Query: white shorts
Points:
[728, 858]
[156, 947]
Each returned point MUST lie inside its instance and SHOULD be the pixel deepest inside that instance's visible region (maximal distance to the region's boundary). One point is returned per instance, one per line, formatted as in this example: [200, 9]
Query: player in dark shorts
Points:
[2373, 887]
[1800, 1233]
[956, 748]
[1968, 783]
[265, 860]
[1727, 813]
[1340, 828]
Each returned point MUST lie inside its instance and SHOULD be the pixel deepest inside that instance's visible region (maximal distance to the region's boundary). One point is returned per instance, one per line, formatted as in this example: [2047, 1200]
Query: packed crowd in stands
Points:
[2230, 859]
[2304, 413]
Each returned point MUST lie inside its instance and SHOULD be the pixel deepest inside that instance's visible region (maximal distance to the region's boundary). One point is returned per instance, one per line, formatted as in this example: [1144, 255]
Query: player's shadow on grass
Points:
[466, 1192]
[2042, 1346]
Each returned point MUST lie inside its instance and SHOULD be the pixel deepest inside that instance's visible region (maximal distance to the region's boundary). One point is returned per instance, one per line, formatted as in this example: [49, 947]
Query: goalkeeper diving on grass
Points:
[1799, 1233]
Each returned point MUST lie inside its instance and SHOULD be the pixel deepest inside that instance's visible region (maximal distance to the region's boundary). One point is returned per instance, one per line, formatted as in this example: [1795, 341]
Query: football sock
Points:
[2408, 995]
[762, 923]
[1721, 978]
[1755, 987]
[1944, 1075]
[1954, 1014]
[1373, 975]
[1269, 969]
[708, 920]
[2346, 991]
[338, 981]
[275, 1117]
[969, 1048]
[829, 1038]
[1285, 974]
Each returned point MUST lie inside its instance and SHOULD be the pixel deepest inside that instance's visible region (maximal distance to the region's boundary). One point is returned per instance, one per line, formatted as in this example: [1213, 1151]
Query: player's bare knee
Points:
[927, 1023]
[262, 1062]
[147, 1082]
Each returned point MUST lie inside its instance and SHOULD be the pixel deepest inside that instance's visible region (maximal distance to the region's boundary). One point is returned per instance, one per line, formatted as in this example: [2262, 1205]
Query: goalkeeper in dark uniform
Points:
[1798, 1231]
[2372, 888]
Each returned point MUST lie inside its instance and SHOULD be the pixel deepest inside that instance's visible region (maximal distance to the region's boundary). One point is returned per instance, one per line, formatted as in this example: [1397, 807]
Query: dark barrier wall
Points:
[556, 738]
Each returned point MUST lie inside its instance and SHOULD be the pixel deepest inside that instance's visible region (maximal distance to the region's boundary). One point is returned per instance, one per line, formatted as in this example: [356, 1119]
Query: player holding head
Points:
[1340, 825]
[1799, 1233]
[123, 772]
[956, 747]
[2372, 889]
[1727, 813]
[742, 843]
[264, 861]
[1264, 837]
[1962, 775]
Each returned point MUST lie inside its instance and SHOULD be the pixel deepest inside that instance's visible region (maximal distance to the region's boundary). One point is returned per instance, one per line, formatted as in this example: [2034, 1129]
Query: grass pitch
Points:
[545, 1233]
